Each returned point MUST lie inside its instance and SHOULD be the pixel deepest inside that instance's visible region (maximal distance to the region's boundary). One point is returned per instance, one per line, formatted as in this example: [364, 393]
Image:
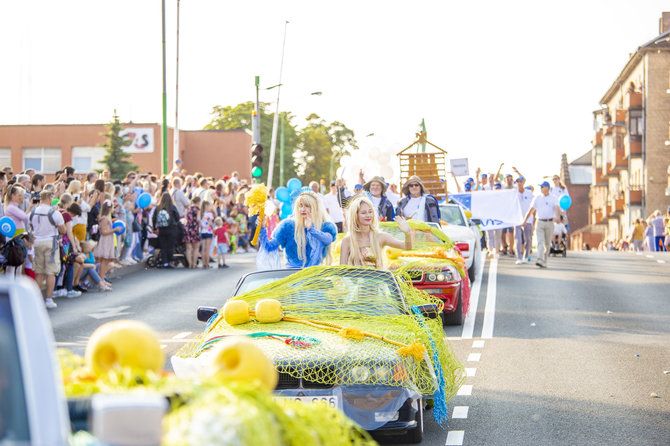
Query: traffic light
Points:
[256, 160]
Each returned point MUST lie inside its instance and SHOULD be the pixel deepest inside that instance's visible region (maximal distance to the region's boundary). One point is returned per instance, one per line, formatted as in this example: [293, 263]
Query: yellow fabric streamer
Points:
[414, 349]
[352, 332]
[255, 199]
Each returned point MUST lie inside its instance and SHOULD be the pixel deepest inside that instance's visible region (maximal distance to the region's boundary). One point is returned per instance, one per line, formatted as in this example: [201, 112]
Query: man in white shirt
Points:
[47, 223]
[181, 202]
[332, 205]
[548, 213]
[523, 234]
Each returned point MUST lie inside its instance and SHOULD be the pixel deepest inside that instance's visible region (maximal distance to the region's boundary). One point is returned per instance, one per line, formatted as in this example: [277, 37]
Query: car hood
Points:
[458, 233]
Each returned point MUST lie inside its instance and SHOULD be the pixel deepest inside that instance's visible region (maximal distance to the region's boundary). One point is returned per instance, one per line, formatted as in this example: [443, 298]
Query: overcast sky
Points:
[495, 81]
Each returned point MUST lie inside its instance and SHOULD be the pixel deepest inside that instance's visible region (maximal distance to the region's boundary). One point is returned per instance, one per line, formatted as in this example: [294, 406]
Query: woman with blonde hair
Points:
[306, 236]
[364, 243]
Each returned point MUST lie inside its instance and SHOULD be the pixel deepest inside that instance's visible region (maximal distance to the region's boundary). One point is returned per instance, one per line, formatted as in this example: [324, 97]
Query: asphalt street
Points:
[578, 353]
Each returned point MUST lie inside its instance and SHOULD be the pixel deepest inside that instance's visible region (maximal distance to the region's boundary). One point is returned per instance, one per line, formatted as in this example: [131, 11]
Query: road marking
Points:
[490, 308]
[465, 390]
[460, 412]
[661, 261]
[110, 312]
[649, 256]
[455, 438]
[638, 253]
[163, 346]
[469, 325]
[478, 344]
[181, 335]
[470, 371]
[474, 357]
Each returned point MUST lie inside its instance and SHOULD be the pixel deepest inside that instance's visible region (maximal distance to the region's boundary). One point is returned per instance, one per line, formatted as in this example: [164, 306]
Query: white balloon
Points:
[373, 153]
[345, 160]
[384, 158]
[387, 172]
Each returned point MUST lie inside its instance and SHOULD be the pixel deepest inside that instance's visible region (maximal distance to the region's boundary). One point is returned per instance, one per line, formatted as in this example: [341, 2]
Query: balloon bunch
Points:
[287, 195]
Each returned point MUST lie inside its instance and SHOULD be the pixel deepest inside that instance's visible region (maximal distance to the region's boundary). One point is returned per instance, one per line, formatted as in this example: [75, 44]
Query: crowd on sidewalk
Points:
[650, 234]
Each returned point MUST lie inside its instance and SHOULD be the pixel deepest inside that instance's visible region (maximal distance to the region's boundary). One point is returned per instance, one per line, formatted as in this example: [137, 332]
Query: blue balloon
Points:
[565, 201]
[306, 189]
[7, 227]
[286, 210]
[283, 194]
[144, 200]
[293, 184]
[294, 195]
[119, 227]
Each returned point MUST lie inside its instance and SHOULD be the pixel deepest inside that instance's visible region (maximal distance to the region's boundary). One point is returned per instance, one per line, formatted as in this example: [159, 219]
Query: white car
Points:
[464, 233]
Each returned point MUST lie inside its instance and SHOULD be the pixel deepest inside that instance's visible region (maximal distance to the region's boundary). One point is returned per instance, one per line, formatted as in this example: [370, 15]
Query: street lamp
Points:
[273, 142]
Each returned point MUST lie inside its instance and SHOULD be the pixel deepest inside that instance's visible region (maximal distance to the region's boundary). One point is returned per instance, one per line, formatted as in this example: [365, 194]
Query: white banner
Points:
[497, 209]
[142, 139]
[460, 167]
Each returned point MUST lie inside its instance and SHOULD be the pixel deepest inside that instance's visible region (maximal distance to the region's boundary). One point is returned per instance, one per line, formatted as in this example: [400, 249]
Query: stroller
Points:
[179, 255]
[559, 246]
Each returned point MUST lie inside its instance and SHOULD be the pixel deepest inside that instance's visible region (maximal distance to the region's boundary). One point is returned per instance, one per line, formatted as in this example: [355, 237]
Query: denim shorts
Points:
[205, 236]
[221, 248]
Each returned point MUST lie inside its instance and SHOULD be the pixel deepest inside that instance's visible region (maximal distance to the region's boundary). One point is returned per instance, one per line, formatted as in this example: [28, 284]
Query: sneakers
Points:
[81, 288]
[50, 304]
[524, 260]
[73, 293]
[518, 262]
[541, 264]
[61, 292]
[223, 266]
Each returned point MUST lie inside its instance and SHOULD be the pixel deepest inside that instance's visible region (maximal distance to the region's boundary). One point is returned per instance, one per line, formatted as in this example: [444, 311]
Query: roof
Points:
[584, 160]
[661, 41]
[580, 174]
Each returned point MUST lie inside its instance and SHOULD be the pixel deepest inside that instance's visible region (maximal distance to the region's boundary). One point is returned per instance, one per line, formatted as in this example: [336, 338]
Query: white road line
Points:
[469, 325]
[661, 261]
[649, 256]
[181, 335]
[474, 357]
[478, 344]
[465, 390]
[455, 438]
[490, 308]
[460, 412]
[470, 371]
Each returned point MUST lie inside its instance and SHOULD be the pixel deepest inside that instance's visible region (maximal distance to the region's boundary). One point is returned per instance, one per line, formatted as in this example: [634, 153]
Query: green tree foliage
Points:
[318, 143]
[116, 159]
[240, 117]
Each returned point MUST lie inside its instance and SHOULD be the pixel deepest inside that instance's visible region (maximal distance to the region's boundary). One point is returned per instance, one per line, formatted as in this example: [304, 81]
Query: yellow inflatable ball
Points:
[239, 359]
[269, 311]
[393, 253]
[236, 312]
[124, 343]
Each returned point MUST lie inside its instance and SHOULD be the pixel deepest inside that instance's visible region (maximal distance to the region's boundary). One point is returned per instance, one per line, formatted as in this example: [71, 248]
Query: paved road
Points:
[571, 354]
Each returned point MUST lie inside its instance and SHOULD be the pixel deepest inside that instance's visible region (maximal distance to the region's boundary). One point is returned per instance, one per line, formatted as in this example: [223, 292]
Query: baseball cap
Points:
[484, 175]
[509, 175]
[357, 187]
[528, 188]
[470, 180]
[498, 185]
[468, 187]
[332, 183]
[520, 180]
[545, 184]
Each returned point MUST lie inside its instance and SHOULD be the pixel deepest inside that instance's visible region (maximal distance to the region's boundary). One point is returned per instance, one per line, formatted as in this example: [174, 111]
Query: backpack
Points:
[14, 252]
[163, 219]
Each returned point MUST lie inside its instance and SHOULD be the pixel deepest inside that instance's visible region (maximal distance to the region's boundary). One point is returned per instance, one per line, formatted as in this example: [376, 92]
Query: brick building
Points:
[631, 147]
[47, 148]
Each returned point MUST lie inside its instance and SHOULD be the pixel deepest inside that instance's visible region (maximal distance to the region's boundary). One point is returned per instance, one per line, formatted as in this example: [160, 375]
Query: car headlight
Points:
[444, 276]
[360, 373]
[383, 373]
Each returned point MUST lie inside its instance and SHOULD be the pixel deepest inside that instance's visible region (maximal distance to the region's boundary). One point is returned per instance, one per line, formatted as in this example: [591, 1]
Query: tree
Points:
[116, 159]
[240, 116]
[319, 143]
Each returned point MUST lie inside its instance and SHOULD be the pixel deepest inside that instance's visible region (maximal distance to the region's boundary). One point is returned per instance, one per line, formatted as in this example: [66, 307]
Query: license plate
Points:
[330, 400]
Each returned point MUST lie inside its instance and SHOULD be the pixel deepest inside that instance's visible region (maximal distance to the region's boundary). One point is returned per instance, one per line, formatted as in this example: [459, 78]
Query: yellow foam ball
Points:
[240, 359]
[393, 253]
[236, 312]
[124, 343]
[269, 311]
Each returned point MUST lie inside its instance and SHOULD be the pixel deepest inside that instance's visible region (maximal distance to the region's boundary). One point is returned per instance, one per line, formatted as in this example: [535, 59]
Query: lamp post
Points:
[273, 142]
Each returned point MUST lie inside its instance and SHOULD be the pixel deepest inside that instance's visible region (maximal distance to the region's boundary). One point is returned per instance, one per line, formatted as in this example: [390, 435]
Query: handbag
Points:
[136, 226]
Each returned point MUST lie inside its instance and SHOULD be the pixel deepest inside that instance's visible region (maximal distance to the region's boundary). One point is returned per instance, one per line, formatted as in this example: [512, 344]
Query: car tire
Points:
[457, 317]
[415, 435]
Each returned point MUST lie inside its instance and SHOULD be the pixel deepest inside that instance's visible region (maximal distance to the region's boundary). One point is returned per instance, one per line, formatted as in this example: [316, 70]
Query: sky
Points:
[511, 82]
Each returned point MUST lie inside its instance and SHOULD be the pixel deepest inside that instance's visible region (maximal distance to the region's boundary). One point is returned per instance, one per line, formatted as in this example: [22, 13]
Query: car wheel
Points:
[457, 317]
[415, 435]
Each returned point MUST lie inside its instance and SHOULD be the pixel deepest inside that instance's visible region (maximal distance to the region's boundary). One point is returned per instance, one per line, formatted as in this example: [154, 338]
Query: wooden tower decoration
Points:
[430, 167]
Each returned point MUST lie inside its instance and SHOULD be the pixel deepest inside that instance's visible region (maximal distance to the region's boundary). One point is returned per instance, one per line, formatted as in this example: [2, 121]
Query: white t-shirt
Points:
[545, 206]
[393, 198]
[42, 227]
[557, 191]
[29, 254]
[525, 199]
[333, 206]
[411, 210]
[559, 229]
[376, 201]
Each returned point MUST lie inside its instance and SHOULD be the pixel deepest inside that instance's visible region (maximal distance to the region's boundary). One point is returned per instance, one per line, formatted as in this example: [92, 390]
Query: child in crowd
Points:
[234, 229]
[28, 266]
[89, 267]
[222, 241]
[273, 221]
[206, 231]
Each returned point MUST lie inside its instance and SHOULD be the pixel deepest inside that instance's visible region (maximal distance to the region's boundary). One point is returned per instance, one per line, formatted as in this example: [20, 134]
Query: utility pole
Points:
[175, 147]
[281, 152]
[256, 121]
[273, 143]
[165, 141]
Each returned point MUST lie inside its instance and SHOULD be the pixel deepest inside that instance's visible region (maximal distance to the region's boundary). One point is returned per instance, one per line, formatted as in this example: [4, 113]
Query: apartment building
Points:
[631, 146]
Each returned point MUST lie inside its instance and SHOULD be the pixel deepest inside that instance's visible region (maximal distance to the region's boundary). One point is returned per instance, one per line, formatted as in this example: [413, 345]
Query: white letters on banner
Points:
[142, 139]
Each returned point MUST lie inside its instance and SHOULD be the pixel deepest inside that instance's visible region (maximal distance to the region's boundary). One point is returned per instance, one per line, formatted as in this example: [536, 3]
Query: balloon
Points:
[7, 227]
[55, 202]
[294, 195]
[564, 201]
[144, 200]
[387, 172]
[119, 227]
[383, 158]
[286, 210]
[305, 189]
[373, 153]
[293, 184]
[283, 194]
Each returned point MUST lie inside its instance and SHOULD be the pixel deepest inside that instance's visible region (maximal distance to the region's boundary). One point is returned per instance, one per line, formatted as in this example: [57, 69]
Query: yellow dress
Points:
[368, 257]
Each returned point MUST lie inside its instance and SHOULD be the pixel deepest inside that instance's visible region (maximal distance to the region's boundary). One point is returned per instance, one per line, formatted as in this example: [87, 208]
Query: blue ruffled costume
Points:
[316, 250]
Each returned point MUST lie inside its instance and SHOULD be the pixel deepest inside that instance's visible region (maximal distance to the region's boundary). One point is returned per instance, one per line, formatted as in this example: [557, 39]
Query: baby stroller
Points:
[178, 256]
[559, 246]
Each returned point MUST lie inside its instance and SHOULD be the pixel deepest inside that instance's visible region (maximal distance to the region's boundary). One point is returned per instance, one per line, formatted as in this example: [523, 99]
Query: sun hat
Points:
[410, 180]
[379, 180]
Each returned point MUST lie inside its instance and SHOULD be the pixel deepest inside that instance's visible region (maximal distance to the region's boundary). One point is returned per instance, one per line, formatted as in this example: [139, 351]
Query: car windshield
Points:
[452, 215]
[419, 238]
[362, 291]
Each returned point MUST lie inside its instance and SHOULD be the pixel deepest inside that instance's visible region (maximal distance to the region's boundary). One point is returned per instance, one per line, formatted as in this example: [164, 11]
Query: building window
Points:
[43, 160]
[599, 157]
[635, 125]
[5, 158]
[86, 159]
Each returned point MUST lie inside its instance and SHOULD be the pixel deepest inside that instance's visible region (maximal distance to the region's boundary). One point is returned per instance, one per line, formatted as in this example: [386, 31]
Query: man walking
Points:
[523, 234]
[548, 213]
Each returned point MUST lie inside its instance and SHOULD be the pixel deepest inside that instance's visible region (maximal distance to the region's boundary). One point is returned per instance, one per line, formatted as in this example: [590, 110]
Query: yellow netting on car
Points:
[332, 310]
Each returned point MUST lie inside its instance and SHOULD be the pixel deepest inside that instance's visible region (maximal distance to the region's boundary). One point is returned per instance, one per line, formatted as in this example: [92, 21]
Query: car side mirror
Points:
[428, 310]
[206, 313]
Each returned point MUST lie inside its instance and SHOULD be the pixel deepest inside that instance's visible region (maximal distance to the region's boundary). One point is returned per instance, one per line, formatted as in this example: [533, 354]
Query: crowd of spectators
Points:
[76, 228]
[650, 234]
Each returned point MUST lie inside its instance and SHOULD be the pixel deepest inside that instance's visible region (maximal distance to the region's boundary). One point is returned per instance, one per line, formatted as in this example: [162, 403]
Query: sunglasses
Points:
[414, 185]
